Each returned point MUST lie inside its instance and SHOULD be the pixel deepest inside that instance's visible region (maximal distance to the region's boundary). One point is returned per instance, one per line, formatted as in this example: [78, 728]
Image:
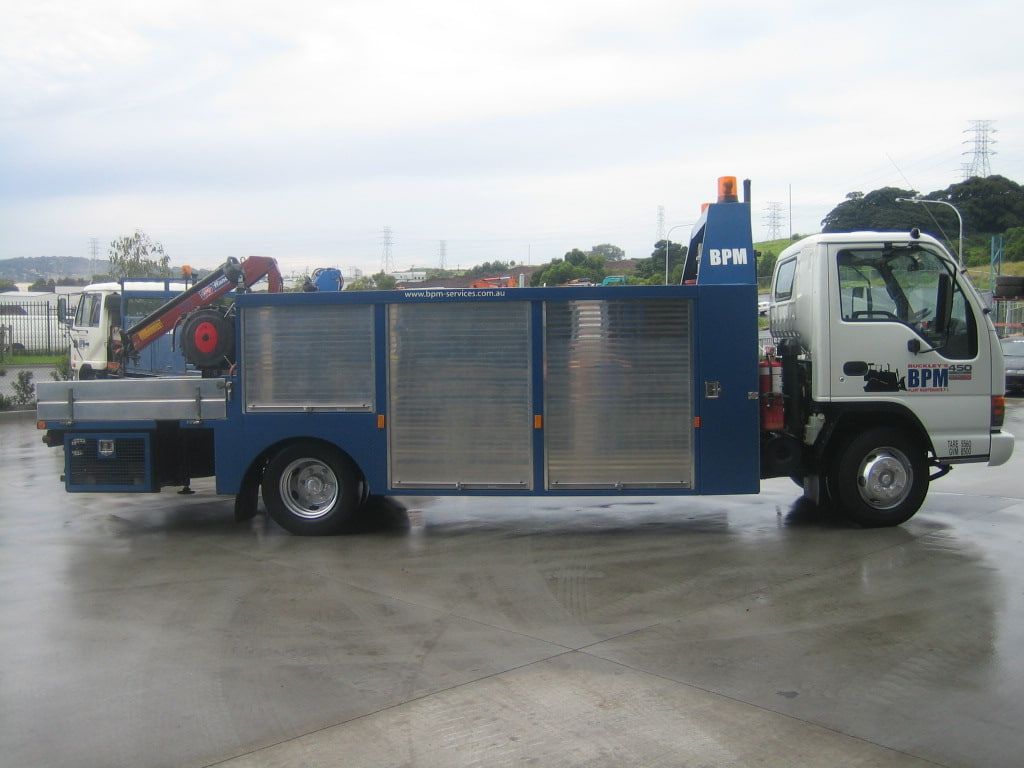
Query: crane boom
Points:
[229, 276]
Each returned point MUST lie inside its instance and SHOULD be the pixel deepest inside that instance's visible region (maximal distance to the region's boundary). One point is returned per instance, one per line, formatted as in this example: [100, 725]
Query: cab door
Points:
[888, 300]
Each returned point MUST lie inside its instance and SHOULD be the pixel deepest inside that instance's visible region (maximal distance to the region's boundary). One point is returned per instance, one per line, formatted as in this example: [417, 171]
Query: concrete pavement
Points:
[152, 630]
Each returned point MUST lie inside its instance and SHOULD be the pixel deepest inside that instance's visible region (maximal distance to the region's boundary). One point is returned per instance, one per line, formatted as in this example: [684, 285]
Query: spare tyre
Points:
[208, 339]
[1009, 287]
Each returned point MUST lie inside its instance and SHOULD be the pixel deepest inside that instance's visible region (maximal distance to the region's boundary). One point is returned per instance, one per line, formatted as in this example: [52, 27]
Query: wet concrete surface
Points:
[153, 630]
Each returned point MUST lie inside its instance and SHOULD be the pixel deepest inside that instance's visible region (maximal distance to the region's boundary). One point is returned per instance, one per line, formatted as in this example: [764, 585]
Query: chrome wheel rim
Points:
[884, 478]
[309, 488]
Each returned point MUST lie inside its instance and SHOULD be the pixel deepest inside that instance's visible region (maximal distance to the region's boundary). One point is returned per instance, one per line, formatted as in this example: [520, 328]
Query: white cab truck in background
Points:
[112, 305]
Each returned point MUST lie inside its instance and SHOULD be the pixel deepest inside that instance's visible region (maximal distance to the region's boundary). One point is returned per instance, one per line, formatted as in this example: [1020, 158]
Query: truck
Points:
[106, 306]
[104, 330]
[886, 373]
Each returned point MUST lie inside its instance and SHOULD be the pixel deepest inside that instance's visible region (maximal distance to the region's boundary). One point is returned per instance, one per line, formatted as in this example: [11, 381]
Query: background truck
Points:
[128, 328]
[109, 305]
[886, 376]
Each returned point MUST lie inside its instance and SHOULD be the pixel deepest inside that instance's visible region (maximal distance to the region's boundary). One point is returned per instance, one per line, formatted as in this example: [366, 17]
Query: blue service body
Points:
[583, 391]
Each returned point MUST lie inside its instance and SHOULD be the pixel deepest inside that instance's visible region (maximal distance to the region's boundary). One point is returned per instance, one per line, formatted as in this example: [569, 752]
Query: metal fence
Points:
[31, 325]
[1009, 316]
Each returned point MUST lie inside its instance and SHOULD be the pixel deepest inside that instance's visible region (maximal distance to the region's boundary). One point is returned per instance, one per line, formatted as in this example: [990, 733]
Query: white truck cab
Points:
[103, 306]
[886, 335]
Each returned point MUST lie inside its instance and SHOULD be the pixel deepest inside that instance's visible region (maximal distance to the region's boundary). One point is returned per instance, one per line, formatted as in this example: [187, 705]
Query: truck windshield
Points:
[913, 286]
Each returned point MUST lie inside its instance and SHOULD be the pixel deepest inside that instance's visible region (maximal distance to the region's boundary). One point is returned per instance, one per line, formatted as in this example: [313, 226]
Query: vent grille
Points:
[459, 377]
[317, 358]
[618, 396]
[122, 463]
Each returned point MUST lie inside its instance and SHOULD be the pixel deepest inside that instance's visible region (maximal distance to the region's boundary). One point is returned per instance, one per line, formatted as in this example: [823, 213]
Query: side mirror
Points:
[914, 346]
[62, 311]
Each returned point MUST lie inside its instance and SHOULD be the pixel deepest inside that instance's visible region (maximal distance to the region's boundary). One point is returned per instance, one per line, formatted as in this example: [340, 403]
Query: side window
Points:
[961, 341]
[912, 286]
[88, 313]
[784, 280]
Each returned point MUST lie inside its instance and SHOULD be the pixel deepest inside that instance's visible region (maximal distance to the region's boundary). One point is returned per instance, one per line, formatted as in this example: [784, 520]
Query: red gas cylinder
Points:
[770, 381]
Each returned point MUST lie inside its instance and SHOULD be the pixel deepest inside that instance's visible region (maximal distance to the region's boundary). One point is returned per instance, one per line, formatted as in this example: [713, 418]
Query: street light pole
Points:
[668, 243]
[959, 218]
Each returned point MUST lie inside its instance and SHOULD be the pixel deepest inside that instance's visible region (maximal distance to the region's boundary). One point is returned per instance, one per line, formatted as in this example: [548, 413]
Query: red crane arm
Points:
[222, 280]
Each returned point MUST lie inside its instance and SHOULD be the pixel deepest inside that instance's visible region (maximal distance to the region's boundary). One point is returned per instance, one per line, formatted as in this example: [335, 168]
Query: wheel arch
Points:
[253, 474]
[846, 420]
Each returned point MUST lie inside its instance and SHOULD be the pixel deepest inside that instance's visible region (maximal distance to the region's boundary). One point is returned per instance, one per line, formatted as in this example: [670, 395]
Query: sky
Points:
[508, 130]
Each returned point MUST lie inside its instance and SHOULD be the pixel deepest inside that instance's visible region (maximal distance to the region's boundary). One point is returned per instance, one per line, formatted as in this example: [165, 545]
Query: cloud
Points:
[301, 129]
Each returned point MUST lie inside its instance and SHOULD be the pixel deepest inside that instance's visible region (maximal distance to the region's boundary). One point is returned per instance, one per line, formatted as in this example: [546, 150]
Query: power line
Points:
[442, 252]
[660, 235]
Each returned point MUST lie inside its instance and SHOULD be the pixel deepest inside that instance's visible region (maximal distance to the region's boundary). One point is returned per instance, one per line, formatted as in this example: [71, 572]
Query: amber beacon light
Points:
[727, 189]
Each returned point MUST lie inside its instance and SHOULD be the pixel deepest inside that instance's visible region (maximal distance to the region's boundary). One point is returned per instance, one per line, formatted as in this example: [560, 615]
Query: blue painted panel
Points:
[728, 449]
[727, 255]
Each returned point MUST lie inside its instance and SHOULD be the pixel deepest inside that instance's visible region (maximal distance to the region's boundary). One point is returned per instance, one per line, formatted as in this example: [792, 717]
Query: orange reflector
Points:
[40, 424]
[696, 422]
[998, 410]
[727, 189]
[538, 421]
[380, 421]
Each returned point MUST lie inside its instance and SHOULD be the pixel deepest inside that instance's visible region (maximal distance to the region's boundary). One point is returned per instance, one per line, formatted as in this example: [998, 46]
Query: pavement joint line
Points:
[390, 707]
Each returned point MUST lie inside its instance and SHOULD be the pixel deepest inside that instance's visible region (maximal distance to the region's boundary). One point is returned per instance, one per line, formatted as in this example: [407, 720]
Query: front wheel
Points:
[311, 489]
[880, 478]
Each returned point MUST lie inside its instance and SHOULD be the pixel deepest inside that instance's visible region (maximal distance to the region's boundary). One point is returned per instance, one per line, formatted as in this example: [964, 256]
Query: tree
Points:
[137, 255]
[43, 285]
[1013, 244]
[877, 210]
[652, 270]
[363, 283]
[7, 286]
[489, 269]
[990, 205]
[608, 252]
[384, 281]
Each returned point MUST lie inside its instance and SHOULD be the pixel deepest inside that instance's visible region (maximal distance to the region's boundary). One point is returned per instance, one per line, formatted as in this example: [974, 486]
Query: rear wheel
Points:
[880, 478]
[311, 489]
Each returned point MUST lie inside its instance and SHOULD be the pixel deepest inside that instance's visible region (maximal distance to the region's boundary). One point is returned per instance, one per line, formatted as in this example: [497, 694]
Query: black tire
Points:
[880, 478]
[208, 339]
[311, 489]
[1009, 286]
